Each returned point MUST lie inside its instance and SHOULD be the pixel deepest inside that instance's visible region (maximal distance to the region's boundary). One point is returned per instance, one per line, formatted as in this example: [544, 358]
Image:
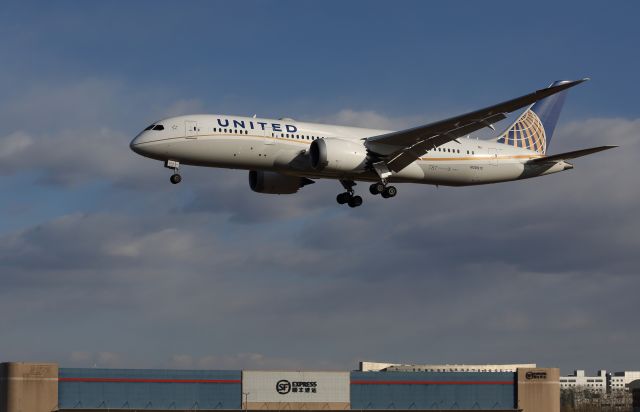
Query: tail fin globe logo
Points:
[527, 132]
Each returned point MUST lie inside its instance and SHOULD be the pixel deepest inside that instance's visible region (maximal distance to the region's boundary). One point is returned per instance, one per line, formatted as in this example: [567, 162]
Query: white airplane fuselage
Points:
[282, 146]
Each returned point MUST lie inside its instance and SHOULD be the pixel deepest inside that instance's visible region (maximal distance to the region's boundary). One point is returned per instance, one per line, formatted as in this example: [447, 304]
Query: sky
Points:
[104, 263]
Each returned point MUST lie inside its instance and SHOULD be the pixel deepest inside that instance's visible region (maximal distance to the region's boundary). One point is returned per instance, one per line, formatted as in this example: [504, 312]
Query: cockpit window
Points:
[149, 127]
[158, 127]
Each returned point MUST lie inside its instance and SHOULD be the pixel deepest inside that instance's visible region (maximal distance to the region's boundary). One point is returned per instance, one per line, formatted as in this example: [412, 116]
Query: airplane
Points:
[284, 155]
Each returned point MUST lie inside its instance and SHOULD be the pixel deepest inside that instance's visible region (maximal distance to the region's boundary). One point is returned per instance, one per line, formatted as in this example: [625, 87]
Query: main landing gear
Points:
[382, 189]
[349, 196]
[175, 166]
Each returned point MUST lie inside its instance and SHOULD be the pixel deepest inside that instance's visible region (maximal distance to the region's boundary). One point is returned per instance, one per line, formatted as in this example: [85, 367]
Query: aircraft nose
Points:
[135, 143]
[140, 143]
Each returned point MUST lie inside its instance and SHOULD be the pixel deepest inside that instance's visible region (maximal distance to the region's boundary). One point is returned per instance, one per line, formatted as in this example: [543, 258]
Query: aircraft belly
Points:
[504, 171]
[462, 173]
[234, 153]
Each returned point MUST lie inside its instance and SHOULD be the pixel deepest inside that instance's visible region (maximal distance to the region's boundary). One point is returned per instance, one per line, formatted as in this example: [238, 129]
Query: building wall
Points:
[149, 389]
[539, 389]
[433, 390]
[28, 387]
[44, 388]
[277, 390]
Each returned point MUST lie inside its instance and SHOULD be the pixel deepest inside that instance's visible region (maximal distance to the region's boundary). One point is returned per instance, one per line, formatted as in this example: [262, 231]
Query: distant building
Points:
[582, 382]
[399, 367]
[621, 380]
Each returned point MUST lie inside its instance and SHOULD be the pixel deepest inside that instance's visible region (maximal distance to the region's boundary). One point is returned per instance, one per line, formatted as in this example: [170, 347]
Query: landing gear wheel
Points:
[376, 188]
[175, 178]
[389, 191]
[355, 201]
[343, 198]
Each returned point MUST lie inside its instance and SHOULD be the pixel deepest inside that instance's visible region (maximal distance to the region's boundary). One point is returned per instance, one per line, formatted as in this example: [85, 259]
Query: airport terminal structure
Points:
[45, 387]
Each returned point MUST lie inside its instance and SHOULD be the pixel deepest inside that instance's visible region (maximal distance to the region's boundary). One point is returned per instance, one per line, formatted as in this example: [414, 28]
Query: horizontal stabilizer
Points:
[570, 155]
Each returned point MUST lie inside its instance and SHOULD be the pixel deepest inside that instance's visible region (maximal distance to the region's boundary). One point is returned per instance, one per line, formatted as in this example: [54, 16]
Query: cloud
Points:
[96, 360]
[374, 120]
[239, 361]
[79, 132]
[184, 106]
[421, 277]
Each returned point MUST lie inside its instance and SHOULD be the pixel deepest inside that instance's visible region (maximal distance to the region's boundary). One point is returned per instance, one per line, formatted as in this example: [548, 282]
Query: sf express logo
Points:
[536, 375]
[284, 387]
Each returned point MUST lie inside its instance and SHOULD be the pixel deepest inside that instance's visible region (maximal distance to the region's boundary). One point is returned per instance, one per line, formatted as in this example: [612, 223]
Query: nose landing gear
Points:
[175, 178]
[175, 166]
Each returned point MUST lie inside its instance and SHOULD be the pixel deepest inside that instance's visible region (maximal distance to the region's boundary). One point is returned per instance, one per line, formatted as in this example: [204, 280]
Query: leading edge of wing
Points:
[466, 123]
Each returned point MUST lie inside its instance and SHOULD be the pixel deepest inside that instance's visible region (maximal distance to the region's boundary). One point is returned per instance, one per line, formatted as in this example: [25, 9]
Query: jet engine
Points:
[337, 155]
[276, 183]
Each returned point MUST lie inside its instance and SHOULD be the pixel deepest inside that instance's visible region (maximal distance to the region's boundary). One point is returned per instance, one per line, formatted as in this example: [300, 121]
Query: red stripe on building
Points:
[142, 380]
[432, 382]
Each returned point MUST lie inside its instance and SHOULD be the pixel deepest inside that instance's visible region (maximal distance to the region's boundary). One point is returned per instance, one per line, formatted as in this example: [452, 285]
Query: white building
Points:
[581, 382]
[621, 380]
[399, 367]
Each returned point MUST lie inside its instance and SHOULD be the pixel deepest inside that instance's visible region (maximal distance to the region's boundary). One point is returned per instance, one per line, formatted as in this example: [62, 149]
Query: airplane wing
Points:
[570, 155]
[397, 150]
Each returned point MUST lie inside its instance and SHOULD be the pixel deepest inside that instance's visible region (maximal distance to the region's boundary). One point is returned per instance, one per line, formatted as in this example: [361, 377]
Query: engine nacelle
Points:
[337, 155]
[276, 183]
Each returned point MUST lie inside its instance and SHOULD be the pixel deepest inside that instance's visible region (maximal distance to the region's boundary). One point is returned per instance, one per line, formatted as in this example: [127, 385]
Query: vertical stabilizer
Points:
[534, 128]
